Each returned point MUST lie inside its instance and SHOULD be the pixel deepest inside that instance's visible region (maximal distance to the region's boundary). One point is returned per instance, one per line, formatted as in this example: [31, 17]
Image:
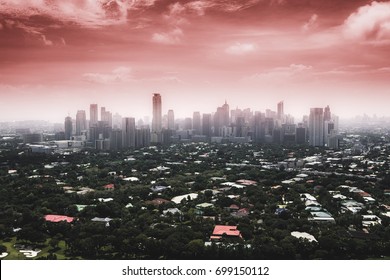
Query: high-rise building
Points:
[280, 110]
[81, 122]
[327, 114]
[206, 125]
[128, 133]
[117, 121]
[225, 114]
[156, 135]
[171, 120]
[218, 121]
[187, 124]
[239, 127]
[300, 135]
[142, 137]
[106, 116]
[116, 140]
[93, 115]
[288, 133]
[259, 127]
[196, 123]
[316, 127]
[68, 128]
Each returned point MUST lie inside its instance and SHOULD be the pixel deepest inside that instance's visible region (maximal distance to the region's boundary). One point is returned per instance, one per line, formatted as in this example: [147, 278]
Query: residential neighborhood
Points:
[198, 201]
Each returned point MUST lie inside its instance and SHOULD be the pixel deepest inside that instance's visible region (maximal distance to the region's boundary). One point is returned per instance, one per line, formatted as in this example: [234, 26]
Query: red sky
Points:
[59, 56]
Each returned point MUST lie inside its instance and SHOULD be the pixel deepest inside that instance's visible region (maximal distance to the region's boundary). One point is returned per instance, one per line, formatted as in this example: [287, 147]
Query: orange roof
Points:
[58, 218]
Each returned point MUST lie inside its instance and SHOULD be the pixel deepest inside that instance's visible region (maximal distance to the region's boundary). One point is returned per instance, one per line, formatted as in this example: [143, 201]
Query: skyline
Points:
[57, 58]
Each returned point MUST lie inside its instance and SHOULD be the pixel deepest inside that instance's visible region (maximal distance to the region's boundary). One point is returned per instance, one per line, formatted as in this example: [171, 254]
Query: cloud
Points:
[240, 49]
[46, 42]
[201, 6]
[369, 23]
[311, 23]
[281, 74]
[168, 38]
[90, 13]
[118, 75]
[165, 79]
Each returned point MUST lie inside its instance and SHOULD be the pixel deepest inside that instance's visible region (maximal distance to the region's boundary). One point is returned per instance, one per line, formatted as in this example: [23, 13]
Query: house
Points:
[321, 216]
[234, 208]
[228, 232]
[157, 201]
[243, 212]
[172, 211]
[246, 182]
[109, 187]
[201, 208]
[371, 220]
[102, 220]
[58, 218]
[130, 179]
[178, 199]
[159, 188]
[304, 235]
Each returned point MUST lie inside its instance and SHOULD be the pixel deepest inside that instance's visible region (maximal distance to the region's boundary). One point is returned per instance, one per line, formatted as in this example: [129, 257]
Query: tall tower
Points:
[280, 110]
[156, 135]
[225, 114]
[93, 115]
[196, 123]
[68, 128]
[316, 127]
[206, 125]
[128, 132]
[171, 120]
[81, 122]
[327, 114]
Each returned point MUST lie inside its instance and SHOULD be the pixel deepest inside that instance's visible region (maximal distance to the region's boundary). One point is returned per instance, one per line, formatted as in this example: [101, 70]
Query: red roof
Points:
[109, 186]
[230, 231]
[364, 194]
[234, 207]
[58, 218]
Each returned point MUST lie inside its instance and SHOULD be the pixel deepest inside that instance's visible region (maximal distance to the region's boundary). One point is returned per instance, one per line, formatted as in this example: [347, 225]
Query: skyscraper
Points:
[225, 114]
[68, 128]
[106, 116]
[280, 111]
[316, 127]
[327, 114]
[171, 120]
[128, 132]
[206, 125]
[156, 135]
[81, 122]
[93, 115]
[196, 123]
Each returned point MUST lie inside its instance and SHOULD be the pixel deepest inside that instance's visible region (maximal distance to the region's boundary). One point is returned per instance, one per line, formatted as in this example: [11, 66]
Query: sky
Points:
[57, 57]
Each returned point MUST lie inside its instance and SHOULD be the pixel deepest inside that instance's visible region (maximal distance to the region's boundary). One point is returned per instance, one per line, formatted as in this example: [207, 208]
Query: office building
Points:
[316, 127]
[206, 125]
[68, 128]
[156, 133]
[128, 133]
[93, 115]
[81, 122]
[196, 123]
[171, 120]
